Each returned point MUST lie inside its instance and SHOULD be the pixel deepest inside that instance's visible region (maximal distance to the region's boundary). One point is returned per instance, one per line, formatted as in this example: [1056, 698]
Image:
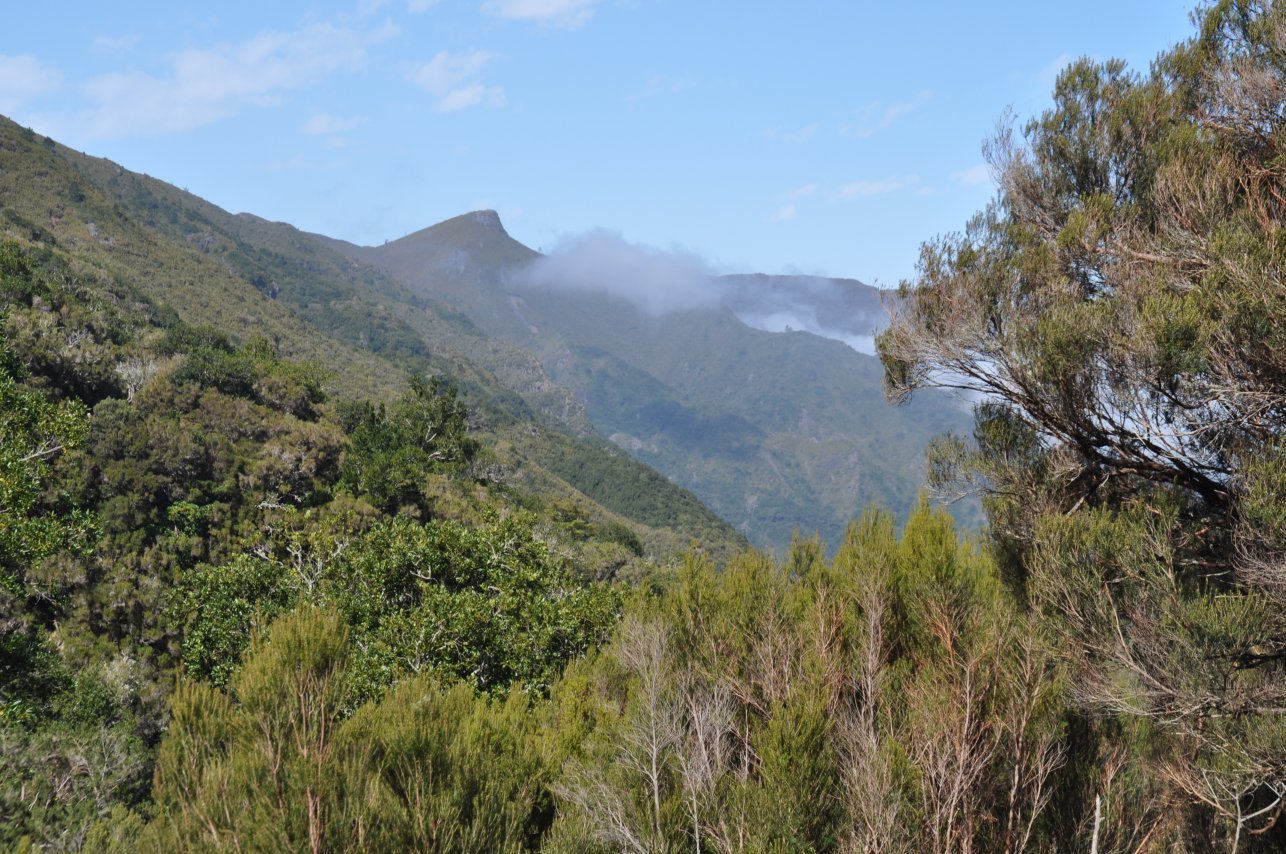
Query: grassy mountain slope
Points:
[46, 200]
[251, 277]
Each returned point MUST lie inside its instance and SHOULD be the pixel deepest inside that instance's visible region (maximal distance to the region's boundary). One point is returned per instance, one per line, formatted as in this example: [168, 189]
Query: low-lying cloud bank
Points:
[659, 281]
[803, 322]
[841, 309]
[600, 261]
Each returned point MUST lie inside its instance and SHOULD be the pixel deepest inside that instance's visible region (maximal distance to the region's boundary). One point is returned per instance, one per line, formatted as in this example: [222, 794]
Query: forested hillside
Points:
[777, 431]
[166, 491]
[252, 278]
[246, 607]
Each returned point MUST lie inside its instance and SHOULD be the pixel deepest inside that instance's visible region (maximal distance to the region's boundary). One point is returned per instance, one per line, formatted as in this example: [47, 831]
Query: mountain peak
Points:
[475, 225]
[471, 228]
[489, 220]
[476, 240]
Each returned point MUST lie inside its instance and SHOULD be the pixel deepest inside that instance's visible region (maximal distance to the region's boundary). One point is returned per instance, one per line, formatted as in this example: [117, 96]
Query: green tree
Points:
[67, 744]
[393, 449]
[487, 604]
[1119, 311]
[276, 766]
[33, 432]
[891, 699]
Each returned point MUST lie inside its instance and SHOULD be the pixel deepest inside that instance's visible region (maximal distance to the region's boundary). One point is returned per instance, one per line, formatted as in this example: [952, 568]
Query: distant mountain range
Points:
[738, 389]
[775, 430]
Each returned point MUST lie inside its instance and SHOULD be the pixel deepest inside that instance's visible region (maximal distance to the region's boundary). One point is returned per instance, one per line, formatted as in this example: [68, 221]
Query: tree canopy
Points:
[1119, 311]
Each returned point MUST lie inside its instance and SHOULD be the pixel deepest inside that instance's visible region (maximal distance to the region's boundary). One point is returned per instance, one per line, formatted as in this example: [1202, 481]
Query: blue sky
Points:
[816, 137]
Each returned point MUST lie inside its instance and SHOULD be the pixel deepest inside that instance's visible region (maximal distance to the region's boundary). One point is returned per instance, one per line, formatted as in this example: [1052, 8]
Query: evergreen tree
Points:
[1120, 311]
[275, 765]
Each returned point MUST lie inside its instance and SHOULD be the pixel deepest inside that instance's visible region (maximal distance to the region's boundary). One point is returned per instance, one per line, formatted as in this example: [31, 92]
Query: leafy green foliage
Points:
[611, 478]
[892, 698]
[1118, 310]
[200, 497]
[391, 451]
[33, 430]
[425, 768]
[488, 605]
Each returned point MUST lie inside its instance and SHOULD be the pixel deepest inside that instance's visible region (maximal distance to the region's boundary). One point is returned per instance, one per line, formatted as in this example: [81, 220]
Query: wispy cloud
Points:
[866, 188]
[972, 176]
[802, 192]
[453, 78]
[207, 85]
[473, 95]
[22, 79]
[877, 117]
[559, 13]
[1047, 75]
[656, 280]
[417, 6]
[660, 281]
[326, 124]
[824, 307]
[784, 213]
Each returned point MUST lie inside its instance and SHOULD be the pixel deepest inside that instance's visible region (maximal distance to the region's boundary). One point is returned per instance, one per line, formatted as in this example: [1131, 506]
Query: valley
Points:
[413, 509]
[778, 432]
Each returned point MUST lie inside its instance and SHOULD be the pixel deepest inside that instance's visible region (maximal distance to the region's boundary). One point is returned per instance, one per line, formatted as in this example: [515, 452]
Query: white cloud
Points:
[660, 281]
[655, 280]
[866, 189]
[803, 318]
[784, 213]
[877, 117]
[559, 13]
[446, 71]
[23, 78]
[972, 176]
[209, 84]
[453, 80]
[802, 192]
[325, 123]
[418, 6]
[473, 95]
[821, 306]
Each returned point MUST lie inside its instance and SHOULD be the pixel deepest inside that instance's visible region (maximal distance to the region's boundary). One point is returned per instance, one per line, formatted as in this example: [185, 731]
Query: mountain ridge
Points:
[255, 278]
[777, 429]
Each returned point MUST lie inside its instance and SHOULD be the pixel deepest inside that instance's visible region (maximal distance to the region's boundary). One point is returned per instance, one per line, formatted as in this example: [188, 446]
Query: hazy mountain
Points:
[843, 309]
[691, 373]
[251, 277]
[696, 374]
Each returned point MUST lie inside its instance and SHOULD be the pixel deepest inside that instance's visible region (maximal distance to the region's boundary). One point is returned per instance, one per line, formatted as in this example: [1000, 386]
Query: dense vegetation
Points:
[166, 492]
[252, 279]
[236, 614]
[1121, 310]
